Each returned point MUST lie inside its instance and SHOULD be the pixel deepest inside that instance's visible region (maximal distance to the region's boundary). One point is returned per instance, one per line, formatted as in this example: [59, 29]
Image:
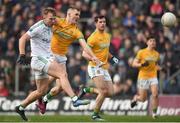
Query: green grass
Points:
[62, 118]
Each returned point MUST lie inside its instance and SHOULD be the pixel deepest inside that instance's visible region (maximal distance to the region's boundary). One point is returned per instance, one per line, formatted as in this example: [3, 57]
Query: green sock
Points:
[154, 110]
[96, 111]
[47, 97]
[88, 90]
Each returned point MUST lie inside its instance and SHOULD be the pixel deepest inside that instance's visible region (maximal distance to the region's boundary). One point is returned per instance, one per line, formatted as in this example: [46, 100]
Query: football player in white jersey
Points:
[42, 62]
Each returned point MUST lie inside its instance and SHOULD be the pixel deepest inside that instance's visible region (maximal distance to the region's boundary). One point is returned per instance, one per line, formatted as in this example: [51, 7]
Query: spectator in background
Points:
[83, 74]
[10, 48]
[16, 18]
[170, 87]
[6, 71]
[128, 48]
[176, 49]
[140, 40]
[76, 82]
[156, 9]
[130, 19]
[4, 92]
[127, 87]
[3, 43]
[116, 41]
[129, 22]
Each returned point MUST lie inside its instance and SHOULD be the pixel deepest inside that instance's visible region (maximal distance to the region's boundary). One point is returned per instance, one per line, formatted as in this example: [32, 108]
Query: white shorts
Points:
[98, 71]
[146, 83]
[60, 59]
[40, 66]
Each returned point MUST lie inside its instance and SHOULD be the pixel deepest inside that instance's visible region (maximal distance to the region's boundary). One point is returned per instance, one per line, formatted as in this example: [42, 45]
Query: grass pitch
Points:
[85, 118]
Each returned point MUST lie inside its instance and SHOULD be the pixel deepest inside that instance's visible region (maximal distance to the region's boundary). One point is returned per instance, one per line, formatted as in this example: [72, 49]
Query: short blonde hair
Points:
[49, 10]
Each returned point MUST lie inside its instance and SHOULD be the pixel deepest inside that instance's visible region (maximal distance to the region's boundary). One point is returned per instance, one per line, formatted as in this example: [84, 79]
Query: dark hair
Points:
[150, 37]
[73, 8]
[49, 10]
[98, 17]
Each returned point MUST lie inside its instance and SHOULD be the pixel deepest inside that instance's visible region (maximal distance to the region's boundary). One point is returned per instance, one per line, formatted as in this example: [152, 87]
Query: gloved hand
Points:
[23, 60]
[114, 60]
[145, 64]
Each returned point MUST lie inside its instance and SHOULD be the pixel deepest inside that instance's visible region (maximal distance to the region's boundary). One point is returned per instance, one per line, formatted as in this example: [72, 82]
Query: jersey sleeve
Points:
[79, 35]
[139, 55]
[33, 31]
[90, 42]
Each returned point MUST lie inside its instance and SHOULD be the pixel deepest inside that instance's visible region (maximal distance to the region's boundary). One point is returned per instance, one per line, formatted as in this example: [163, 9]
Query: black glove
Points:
[114, 60]
[145, 64]
[23, 60]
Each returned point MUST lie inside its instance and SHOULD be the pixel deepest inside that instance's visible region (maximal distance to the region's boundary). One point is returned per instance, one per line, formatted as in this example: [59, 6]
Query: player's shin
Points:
[99, 101]
[154, 104]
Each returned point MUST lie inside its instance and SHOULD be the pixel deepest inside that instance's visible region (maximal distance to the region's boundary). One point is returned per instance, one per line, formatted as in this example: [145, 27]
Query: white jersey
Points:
[40, 39]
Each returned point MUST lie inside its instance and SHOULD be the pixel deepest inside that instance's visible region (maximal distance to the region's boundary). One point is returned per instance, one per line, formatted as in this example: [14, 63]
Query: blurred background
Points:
[128, 21]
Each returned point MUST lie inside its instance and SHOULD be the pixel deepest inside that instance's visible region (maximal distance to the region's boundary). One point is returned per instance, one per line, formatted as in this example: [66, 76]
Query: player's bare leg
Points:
[114, 89]
[64, 80]
[42, 102]
[155, 101]
[42, 88]
[84, 90]
[103, 91]
[117, 88]
[60, 70]
[53, 92]
[141, 96]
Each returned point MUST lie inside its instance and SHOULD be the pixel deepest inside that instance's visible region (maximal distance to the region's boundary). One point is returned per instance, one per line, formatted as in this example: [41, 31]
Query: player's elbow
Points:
[84, 54]
[133, 64]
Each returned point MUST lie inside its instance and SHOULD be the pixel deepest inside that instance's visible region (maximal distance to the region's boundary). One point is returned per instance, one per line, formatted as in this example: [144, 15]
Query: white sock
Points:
[21, 108]
[84, 90]
[45, 99]
[74, 99]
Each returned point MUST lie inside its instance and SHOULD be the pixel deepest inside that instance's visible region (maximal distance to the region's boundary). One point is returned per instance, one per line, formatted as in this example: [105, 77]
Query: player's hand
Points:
[145, 64]
[158, 67]
[23, 60]
[114, 60]
[97, 61]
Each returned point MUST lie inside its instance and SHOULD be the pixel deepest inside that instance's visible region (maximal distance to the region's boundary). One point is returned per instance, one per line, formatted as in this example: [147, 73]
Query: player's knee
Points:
[41, 92]
[143, 98]
[63, 75]
[105, 92]
[155, 96]
[112, 94]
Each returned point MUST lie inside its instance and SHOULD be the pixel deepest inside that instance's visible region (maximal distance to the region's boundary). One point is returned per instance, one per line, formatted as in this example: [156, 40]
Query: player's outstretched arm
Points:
[88, 50]
[22, 43]
[22, 57]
